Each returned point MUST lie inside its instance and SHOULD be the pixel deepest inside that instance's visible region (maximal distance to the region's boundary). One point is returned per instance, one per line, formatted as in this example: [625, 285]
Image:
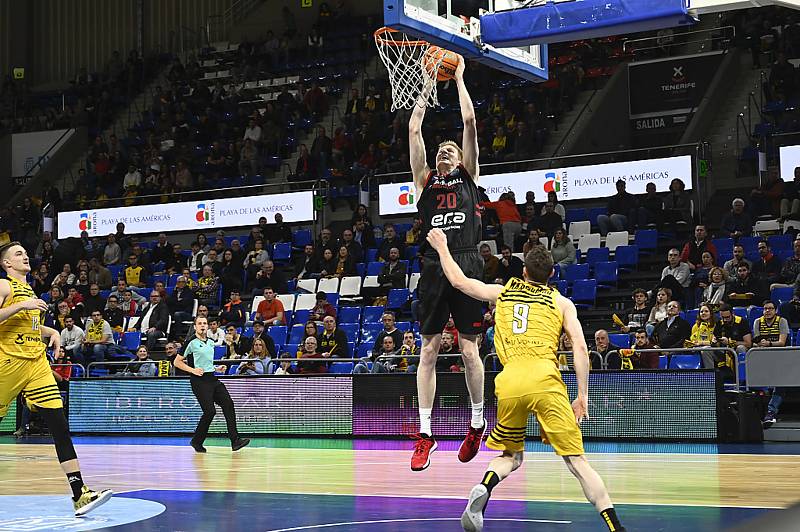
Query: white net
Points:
[412, 70]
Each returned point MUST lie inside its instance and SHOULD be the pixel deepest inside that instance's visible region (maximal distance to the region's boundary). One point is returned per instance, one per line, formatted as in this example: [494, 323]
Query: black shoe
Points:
[238, 444]
[197, 447]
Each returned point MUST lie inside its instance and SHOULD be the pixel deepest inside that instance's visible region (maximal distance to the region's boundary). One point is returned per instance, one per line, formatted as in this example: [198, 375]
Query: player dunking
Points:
[24, 368]
[529, 318]
[448, 200]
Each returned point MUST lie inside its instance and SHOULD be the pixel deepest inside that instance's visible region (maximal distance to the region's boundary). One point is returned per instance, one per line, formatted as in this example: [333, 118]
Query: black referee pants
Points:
[209, 390]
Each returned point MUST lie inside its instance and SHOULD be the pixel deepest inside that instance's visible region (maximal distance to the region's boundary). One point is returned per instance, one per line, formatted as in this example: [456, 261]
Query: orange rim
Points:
[381, 32]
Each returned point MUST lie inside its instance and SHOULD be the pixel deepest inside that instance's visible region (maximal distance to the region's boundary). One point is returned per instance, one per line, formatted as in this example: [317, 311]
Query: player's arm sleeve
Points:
[470, 134]
[572, 326]
[180, 361]
[416, 144]
[471, 287]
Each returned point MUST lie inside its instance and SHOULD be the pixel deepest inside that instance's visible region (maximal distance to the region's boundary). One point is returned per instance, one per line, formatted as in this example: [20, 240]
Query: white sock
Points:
[477, 416]
[425, 421]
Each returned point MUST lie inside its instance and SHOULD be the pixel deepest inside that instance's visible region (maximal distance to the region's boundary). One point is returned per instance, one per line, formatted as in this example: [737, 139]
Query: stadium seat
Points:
[688, 361]
[350, 287]
[492, 245]
[750, 244]
[575, 272]
[576, 229]
[307, 285]
[620, 339]
[361, 269]
[297, 333]
[233, 369]
[342, 367]
[779, 242]
[606, 274]
[662, 362]
[363, 350]
[305, 301]
[301, 238]
[372, 314]
[563, 287]
[615, 239]
[413, 280]
[287, 300]
[301, 316]
[370, 332]
[370, 281]
[627, 258]
[576, 215]
[349, 315]
[594, 213]
[588, 241]
[782, 295]
[767, 226]
[723, 244]
[595, 255]
[404, 326]
[397, 298]
[374, 268]
[220, 351]
[278, 333]
[741, 312]
[370, 254]
[256, 301]
[131, 340]
[328, 285]
[282, 253]
[115, 270]
[584, 293]
[691, 316]
[753, 314]
[350, 330]
[646, 239]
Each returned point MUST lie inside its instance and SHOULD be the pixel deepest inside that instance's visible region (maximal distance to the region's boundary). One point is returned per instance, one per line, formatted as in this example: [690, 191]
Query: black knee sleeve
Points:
[57, 423]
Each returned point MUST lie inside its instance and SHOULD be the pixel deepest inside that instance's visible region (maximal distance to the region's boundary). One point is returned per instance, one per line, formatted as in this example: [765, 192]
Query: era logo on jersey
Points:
[552, 182]
[202, 213]
[441, 220]
[406, 196]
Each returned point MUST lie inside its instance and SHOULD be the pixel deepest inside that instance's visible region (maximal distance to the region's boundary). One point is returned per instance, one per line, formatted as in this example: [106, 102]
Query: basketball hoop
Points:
[412, 70]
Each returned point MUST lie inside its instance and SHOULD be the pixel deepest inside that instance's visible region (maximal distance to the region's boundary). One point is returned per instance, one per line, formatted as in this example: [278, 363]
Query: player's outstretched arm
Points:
[471, 287]
[580, 354]
[416, 144]
[470, 138]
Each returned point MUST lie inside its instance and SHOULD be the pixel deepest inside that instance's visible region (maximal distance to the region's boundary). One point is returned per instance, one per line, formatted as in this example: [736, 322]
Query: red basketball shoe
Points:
[423, 449]
[471, 444]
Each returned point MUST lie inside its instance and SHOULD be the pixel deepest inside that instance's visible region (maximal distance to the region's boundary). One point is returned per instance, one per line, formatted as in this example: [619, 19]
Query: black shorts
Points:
[438, 299]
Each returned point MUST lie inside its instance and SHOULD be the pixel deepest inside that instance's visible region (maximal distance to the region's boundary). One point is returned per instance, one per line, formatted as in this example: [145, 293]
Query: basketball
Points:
[449, 62]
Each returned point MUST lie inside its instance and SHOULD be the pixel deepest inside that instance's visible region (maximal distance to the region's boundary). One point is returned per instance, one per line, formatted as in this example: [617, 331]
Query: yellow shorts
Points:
[556, 423]
[33, 378]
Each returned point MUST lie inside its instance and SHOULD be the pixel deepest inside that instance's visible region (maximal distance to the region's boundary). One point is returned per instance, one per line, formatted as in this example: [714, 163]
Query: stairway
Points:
[566, 124]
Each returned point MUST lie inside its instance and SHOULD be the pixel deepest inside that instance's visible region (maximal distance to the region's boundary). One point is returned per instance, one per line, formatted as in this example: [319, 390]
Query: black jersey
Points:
[450, 203]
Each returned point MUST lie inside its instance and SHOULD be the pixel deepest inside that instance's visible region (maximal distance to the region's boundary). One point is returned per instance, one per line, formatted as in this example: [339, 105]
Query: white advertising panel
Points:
[571, 183]
[790, 159]
[188, 215]
[28, 148]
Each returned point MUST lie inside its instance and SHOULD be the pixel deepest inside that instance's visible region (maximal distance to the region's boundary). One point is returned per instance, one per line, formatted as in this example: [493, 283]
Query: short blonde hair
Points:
[453, 144]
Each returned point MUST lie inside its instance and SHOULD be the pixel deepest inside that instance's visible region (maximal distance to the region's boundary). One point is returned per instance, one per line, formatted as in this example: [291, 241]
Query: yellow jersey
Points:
[528, 325]
[21, 335]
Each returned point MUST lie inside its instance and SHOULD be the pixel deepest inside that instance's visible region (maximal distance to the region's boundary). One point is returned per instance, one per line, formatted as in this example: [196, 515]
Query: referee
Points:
[207, 387]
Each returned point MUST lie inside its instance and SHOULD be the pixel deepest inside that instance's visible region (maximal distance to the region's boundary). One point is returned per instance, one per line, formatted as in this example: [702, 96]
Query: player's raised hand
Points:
[581, 408]
[461, 66]
[437, 239]
[34, 304]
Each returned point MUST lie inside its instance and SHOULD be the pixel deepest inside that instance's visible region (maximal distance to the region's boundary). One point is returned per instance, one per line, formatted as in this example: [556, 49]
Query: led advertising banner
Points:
[571, 183]
[622, 404]
[9, 423]
[275, 405]
[188, 215]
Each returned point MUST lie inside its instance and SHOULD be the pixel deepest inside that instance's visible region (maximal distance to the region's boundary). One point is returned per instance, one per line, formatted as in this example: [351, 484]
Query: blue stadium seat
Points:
[404, 326]
[411, 252]
[301, 316]
[563, 287]
[627, 258]
[301, 238]
[594, 212]
[606, 274]
[370, 254]
[219, 352]
[584, 293]
[397, 298]
[282, 252]
[691, 316]
[662, 362]
[296, 334]
[742, 368]
[750, 244]
[723, 244]
[115, 270]
[620, 339]
[131, 340]
[646, 239]
[576, 215]
[349, 315]
[753, 314]
[782, 295]
[780, 242]
[575, 272]
[741, 312]
[287, 317]
[342, 367]
[369, 332]
[372, 314]
[595, 255]
[278, 333]
[363, 350]
[350, 330]
[233, 369]
[688, 361]
[374, 268]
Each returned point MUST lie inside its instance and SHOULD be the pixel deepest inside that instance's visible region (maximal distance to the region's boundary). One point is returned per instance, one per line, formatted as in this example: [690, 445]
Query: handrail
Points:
[42, 157]
[678, 350]
[334, 111]
[656, 37]
[204, 191]
[751, 99]
[70, 365]
[575, 123]
[592, 353]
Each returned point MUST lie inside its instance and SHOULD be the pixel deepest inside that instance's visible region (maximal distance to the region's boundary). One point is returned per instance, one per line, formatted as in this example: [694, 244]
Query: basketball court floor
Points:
[366, 485]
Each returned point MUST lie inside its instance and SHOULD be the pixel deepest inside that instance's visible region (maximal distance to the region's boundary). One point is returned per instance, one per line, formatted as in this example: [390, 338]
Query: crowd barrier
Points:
[628, 405]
